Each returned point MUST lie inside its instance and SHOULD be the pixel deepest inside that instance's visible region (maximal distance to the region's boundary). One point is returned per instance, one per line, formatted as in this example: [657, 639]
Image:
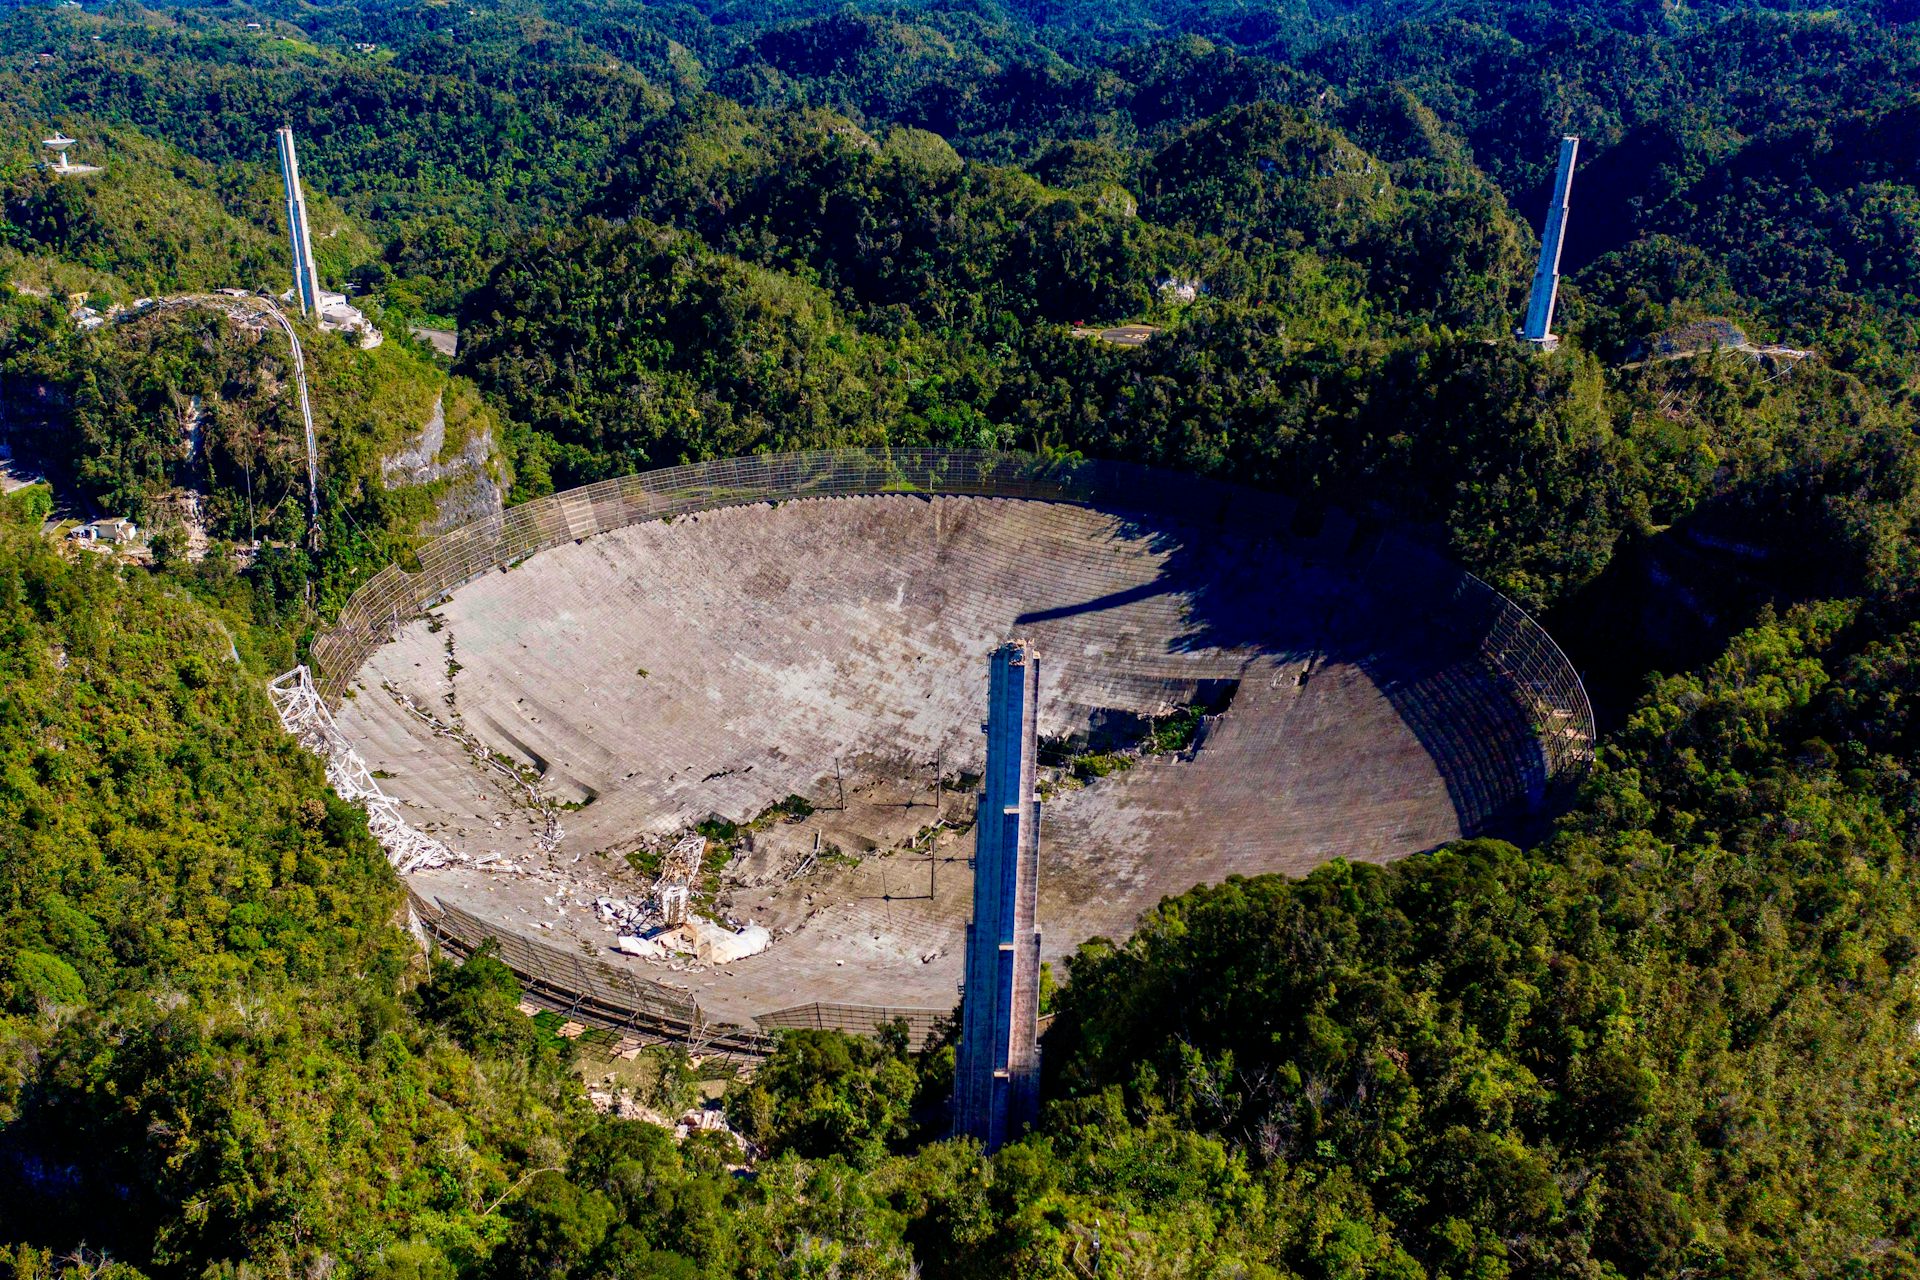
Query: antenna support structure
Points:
[306, 275]
[62, 166]
[996, 1086]
[1538, 329]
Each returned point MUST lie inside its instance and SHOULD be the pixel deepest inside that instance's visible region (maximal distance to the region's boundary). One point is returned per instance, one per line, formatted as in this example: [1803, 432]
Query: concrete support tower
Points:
[996, 1086]
[1546, 277]
[306, 276]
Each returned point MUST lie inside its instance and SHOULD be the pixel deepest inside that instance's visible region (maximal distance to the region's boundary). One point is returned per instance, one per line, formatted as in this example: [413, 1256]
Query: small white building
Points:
[115, 531]
[337, 315]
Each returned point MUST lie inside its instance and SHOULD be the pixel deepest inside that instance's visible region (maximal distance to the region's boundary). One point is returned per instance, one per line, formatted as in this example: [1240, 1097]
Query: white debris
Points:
[624, 914]
[716, 944]
[704, 1120]
[1179, 289]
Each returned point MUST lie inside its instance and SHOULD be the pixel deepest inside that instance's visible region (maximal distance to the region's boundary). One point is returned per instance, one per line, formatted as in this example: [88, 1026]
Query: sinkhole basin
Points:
[600, 672]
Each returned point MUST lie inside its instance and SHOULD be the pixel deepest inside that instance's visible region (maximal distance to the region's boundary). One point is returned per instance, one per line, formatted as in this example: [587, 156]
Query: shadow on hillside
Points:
[1248, 591]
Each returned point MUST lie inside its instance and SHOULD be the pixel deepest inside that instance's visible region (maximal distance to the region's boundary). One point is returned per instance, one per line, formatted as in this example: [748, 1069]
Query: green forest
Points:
[1677, 1037]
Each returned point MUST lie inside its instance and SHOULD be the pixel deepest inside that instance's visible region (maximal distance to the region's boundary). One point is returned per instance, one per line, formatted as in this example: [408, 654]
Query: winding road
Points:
[255, 307]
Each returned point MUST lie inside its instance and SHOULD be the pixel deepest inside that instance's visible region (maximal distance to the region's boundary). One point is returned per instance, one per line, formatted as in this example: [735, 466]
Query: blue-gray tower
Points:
[306, 276]
[1546, 277]
[996, 1083]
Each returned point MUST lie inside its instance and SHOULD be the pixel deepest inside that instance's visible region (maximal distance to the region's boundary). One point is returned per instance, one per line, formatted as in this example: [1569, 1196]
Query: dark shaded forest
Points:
[1674, 1039]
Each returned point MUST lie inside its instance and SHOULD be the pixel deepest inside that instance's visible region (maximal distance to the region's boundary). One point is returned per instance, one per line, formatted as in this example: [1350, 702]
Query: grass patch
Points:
[1099, 765]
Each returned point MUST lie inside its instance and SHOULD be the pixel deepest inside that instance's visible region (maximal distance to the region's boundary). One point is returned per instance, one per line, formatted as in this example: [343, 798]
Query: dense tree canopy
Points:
[1674, 1039]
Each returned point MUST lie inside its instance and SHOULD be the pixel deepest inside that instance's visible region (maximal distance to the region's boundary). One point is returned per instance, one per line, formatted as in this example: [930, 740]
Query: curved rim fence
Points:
[1391, 565]
[594, 993]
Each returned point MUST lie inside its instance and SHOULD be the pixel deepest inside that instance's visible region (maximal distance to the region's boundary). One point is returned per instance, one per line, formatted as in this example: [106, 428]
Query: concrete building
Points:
[1546, 277]
[996, 1089]
[117, 530]
[337, 315]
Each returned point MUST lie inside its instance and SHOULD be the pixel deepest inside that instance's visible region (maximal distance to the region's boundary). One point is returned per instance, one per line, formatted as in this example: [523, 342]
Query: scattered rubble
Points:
[620, 1103]
[535, 799]
[623, 915]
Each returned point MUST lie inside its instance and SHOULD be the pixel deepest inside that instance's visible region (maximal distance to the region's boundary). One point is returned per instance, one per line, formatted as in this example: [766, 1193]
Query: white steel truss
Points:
[304, 715]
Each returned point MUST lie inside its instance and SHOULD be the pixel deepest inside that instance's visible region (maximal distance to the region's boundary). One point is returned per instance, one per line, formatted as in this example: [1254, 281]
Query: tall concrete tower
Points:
[1546, 277]
[996, 1084]
[306, 276]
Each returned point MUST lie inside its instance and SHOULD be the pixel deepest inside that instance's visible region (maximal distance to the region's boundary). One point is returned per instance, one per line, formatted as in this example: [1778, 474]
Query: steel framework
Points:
[592, 991]
[923, 1024]
[303, 713]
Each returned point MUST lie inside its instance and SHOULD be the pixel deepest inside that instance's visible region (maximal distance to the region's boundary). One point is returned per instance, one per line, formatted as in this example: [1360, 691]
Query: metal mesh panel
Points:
[1520, 649]
[587, 990]
[1541, 678]
[856, 1019]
